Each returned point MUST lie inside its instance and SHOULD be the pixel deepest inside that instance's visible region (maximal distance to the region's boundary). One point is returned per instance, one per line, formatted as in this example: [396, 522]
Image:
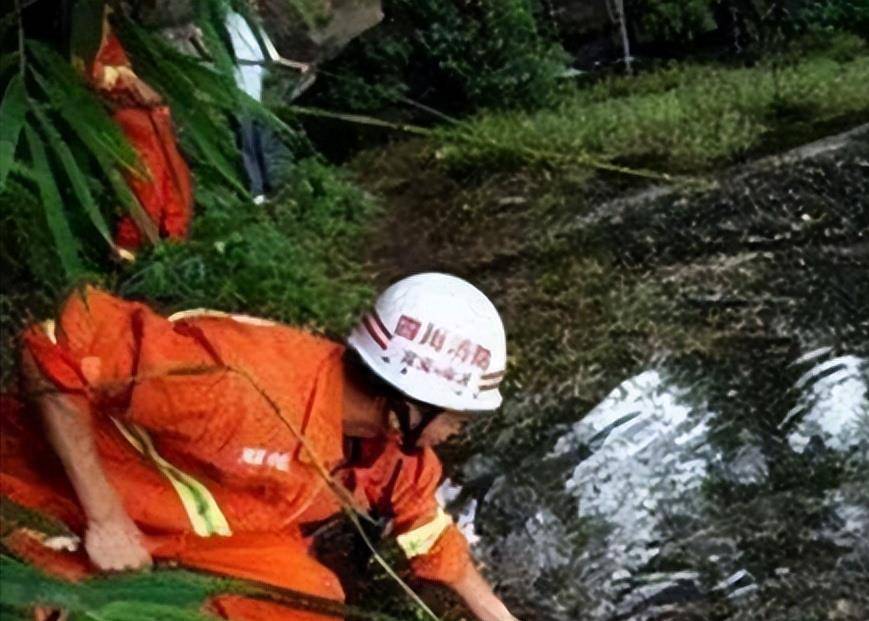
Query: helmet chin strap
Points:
[411, 434]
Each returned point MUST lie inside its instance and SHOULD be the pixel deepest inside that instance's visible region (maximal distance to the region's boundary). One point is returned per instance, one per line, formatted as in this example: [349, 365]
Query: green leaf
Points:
[86, 30]
[88, 120]
[211, 152]
[52, 204]
[79, 107]
[129, 201]
[13, 110]
[76, 177]
[8, 61]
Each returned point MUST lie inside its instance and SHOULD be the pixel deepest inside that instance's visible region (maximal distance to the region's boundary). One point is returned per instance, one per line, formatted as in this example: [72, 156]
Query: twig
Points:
[22, 62]
[361, 119]
[532, 154]
[347, 501]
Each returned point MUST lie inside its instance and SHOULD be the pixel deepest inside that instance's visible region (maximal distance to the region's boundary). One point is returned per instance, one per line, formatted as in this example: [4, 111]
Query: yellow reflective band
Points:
[421, 540]
[202, 509]
[49, 327]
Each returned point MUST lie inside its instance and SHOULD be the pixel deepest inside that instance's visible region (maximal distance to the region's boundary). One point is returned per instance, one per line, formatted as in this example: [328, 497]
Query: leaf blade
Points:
[13, 111]
[52, 204]
[75, 175]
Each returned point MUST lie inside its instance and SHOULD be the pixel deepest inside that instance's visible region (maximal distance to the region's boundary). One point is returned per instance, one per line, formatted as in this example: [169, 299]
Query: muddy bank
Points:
[722, 292]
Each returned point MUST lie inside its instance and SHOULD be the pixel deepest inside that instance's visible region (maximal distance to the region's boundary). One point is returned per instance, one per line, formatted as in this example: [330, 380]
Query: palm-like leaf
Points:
[76, 177]
[65, 242]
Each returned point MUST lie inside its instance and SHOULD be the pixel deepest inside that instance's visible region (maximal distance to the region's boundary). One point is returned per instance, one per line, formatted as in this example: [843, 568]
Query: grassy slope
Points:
[681, 119]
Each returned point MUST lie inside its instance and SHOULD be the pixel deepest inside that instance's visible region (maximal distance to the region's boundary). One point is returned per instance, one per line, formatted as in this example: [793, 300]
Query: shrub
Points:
[767, 23]
[849, 15]
[676, 20]
[447, 53]
[295, 260]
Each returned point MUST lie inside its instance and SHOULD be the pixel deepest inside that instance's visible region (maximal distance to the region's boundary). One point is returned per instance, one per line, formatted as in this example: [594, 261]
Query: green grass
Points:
[680, 119]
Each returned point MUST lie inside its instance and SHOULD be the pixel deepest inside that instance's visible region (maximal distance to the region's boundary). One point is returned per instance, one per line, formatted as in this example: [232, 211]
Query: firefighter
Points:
[219, 442]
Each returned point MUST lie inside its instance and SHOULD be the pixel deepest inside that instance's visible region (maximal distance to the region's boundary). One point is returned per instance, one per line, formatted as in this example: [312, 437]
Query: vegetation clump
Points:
[294, 260]
[683, 118]
[450, 54]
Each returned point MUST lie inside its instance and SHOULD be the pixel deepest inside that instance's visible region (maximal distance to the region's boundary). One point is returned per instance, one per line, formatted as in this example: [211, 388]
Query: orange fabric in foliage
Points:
[164, 191]
[165, 194]
[30, 472]
[211, 392]
[276, 560]
[23, 544]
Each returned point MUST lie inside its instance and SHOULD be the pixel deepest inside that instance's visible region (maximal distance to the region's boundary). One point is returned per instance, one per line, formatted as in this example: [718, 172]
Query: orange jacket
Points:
[212, 403]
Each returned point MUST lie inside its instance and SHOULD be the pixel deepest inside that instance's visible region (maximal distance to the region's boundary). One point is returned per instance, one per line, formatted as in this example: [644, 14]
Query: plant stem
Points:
[22, 62]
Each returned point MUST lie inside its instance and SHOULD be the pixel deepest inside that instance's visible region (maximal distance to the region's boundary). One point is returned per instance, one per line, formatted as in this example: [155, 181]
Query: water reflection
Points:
[650, 532]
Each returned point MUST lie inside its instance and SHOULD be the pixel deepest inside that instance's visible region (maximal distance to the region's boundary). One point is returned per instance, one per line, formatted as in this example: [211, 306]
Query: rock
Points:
[322, 30]
[161, 13]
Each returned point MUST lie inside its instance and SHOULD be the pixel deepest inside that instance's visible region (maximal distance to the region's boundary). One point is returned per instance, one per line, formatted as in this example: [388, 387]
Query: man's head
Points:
[438, 343]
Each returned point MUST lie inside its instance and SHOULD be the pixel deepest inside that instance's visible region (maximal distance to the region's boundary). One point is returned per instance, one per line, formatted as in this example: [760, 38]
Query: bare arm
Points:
[479, 597]
[112, 540]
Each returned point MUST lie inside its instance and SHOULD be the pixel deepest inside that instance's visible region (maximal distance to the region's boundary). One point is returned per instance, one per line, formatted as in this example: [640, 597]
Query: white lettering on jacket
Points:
[270, 459]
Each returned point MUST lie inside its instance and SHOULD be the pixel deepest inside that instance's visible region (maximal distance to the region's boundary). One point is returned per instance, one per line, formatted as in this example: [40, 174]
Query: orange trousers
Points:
[30, 475]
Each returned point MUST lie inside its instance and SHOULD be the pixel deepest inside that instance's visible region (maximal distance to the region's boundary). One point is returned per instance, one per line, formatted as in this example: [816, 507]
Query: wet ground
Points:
[687, 425]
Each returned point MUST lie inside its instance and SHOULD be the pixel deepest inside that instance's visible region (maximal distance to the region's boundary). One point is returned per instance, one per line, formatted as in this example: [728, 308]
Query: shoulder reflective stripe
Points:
[202, 509]
[421, 540]
[252, 321]
[205, 312]
[197, 312]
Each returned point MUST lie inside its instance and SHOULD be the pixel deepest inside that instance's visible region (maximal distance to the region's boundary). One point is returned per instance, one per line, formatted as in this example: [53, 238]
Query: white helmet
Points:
[438, 339]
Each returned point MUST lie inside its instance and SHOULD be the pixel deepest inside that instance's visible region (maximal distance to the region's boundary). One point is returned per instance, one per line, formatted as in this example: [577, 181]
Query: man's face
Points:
[442, 428]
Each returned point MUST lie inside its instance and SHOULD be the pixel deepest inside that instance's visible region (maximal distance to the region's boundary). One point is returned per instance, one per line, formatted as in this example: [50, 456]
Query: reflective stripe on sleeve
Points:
[202, 509]
[421, 540]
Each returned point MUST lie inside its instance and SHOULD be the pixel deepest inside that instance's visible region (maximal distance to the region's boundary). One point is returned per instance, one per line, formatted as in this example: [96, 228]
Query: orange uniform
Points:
[197, 421]
[164, 190]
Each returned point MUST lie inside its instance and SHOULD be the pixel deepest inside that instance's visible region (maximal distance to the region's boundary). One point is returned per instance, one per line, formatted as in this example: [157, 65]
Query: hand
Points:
[116, 544]
[479, 597]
